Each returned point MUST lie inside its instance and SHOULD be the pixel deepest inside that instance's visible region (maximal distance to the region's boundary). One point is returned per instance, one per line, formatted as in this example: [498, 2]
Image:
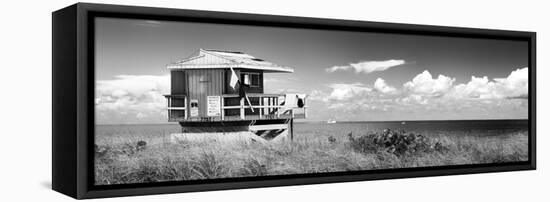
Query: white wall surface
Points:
[25, 83]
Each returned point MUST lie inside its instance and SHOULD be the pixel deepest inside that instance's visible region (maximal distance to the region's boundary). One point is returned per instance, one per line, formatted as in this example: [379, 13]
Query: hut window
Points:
[251, 79]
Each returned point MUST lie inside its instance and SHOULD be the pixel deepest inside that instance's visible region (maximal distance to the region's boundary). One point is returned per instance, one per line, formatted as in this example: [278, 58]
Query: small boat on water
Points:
[403, 123]
[331, 121]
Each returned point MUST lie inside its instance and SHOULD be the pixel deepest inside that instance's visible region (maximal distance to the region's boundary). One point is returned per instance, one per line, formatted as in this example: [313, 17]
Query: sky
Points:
[348, 76]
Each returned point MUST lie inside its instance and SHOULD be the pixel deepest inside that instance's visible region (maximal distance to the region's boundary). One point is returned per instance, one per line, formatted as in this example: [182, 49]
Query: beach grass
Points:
[118, 160]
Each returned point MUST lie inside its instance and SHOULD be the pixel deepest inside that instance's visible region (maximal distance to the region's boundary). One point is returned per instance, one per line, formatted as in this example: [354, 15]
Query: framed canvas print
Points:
[154, 100]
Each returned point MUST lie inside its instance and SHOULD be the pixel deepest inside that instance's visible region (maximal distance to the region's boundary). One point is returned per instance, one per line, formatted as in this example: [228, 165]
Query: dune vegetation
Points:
[120, 160]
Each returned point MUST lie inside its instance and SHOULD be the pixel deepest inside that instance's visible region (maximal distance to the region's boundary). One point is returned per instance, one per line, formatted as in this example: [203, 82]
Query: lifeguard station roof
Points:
[215, 59]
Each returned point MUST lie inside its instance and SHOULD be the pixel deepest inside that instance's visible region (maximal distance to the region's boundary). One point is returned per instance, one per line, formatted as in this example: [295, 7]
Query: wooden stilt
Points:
[242, 108]
[186, 107]
[291, 129]
[169, 110]
[261, 100]
[222, 111]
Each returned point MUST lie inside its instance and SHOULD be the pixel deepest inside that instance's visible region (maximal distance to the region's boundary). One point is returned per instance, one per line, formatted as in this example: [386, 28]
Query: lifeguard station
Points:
[222, 92]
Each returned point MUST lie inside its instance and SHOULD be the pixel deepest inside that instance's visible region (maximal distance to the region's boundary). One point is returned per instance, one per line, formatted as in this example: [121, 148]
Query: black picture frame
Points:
[73, 103]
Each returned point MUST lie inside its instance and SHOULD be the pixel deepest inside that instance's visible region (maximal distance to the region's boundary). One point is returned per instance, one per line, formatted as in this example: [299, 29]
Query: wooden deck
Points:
[235, 118]
[265, 106]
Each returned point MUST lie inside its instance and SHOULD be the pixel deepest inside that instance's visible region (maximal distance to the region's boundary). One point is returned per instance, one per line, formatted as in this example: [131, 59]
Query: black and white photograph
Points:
[189, 101]
[275, 101]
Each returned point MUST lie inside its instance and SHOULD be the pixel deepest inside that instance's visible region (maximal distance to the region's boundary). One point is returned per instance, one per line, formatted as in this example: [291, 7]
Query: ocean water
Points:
[309, 130]
[454, 127]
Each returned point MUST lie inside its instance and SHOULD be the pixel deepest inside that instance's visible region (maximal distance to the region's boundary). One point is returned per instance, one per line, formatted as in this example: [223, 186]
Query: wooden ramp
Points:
[255, 133]
[227, 137]
[251, 132]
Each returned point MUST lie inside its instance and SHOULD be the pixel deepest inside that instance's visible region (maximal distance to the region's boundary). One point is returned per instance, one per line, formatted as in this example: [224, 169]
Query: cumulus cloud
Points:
[131, 99]
[343, 91]
[428, 96]
[477, 87]
[424, 84]
[381, 86]
[351, 98]
[412, 99]
[368, 66]
[516, 85]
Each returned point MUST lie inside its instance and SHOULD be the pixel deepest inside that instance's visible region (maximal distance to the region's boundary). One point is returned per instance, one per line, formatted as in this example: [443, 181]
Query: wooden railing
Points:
[176, 106]
[233, 108]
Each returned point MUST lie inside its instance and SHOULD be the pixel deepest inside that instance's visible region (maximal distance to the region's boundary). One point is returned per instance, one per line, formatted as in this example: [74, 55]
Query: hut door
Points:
[203, 83]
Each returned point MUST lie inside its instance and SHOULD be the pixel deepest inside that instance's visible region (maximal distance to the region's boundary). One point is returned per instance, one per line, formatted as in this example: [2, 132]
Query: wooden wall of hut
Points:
[197, 84]
[202, 83]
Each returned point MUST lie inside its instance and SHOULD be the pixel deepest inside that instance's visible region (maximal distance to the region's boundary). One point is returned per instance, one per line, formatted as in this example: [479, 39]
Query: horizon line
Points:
[431, 120]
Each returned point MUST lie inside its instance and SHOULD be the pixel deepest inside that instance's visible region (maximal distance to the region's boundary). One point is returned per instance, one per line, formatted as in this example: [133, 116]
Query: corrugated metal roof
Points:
[212, 59]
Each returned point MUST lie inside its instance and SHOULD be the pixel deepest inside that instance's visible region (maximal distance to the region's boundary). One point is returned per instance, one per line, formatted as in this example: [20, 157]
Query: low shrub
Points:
[331, 139]
[397, 142]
